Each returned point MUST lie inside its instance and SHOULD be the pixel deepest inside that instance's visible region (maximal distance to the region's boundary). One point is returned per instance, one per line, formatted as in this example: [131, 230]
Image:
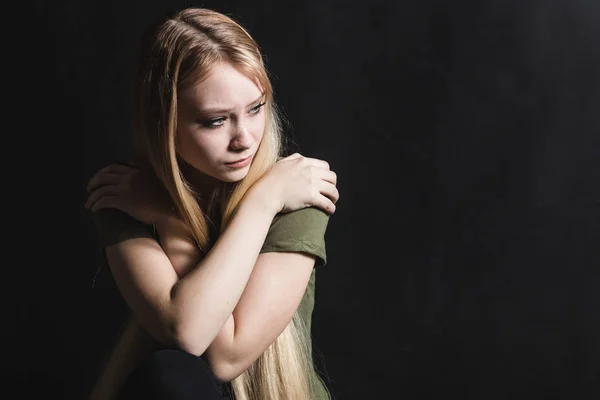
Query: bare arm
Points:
[267, 306]
[206, 297]
[185, 305]
[278, 278]
[190, 312]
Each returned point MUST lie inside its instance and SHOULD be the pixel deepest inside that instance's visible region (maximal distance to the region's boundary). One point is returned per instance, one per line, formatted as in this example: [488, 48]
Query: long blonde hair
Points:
[179, 52]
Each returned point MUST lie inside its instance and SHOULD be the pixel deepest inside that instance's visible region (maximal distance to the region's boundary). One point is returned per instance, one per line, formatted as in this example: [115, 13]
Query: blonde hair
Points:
[180, 52]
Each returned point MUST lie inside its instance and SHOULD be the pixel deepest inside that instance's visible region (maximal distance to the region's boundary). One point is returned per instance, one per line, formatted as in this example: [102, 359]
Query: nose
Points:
[241, 137]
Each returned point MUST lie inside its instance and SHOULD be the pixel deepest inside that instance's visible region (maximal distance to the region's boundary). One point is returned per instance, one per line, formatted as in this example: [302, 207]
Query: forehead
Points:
[223, 87]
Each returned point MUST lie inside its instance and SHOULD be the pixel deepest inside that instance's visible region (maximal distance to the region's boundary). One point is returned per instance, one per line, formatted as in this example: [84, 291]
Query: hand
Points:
[131, 190]
[297, 182]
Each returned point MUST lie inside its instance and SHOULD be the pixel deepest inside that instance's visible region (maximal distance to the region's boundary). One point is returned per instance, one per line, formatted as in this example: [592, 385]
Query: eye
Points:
[213, 123]
[257, 109]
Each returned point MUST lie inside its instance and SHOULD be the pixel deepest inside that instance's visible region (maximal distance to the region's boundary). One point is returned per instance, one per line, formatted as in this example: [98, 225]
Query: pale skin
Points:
[233, 303]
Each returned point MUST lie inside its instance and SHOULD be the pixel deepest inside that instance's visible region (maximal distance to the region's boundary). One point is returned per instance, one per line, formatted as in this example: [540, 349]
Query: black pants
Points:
[175, 375]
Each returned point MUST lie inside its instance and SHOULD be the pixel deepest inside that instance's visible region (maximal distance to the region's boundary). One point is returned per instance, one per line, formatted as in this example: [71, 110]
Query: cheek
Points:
[259, 127]
[194, 146]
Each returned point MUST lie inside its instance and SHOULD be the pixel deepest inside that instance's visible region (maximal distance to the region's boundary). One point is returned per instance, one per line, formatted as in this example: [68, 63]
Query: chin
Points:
[235, 176]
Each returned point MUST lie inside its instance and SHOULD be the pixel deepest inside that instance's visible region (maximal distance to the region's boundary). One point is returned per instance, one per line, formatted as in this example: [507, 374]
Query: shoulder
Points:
[113, 225]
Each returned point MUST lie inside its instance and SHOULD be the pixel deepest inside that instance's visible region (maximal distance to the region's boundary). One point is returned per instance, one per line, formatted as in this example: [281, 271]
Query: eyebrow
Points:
[216, 110]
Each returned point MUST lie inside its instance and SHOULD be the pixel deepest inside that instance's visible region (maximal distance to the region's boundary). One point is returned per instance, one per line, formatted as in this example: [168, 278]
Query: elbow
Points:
[189, 341]
[225, 364]
[226, 371]
[222, 368]
[162, 334]
[184, 335]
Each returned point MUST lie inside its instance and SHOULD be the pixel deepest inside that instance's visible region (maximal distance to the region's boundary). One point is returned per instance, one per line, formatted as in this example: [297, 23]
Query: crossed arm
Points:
[229, 306]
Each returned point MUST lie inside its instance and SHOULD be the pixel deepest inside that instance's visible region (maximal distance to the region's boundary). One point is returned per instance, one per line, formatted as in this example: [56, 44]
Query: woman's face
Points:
[221, 121]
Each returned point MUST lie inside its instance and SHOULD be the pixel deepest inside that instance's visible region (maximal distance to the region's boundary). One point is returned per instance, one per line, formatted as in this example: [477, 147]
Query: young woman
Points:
[211, 235]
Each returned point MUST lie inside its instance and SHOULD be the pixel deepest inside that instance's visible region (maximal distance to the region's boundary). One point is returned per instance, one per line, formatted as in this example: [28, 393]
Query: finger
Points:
[103, 191]
[112, 170]
[329, 176]
[315, 162]
[104, 179]
[97, 174]
[325, 204]
[291, 157]
[106, 202]
[330, 191]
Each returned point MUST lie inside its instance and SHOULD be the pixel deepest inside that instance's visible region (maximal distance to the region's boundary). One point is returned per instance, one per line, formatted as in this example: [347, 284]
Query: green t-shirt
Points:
[298, 231]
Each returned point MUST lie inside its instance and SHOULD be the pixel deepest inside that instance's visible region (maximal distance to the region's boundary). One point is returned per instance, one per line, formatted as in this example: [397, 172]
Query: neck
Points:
[207, 188]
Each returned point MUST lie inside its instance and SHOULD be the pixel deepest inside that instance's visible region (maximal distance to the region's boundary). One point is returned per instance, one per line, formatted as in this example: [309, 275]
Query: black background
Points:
[464, 255]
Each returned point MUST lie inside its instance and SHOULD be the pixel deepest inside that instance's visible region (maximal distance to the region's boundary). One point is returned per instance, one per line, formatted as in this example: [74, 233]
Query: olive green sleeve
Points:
[299, 231]
[113, 226]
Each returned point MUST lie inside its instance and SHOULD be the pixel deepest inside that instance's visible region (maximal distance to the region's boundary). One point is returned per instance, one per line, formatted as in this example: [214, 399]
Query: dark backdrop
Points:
[463, 258]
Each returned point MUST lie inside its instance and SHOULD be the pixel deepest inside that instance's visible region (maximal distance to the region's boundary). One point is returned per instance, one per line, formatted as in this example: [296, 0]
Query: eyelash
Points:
[210, 123]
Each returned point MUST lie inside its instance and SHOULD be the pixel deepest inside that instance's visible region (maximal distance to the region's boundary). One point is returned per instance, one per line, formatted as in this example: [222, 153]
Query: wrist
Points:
[259, 198]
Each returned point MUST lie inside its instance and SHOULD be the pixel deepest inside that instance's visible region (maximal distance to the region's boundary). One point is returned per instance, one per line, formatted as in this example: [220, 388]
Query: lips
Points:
[240, 160]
